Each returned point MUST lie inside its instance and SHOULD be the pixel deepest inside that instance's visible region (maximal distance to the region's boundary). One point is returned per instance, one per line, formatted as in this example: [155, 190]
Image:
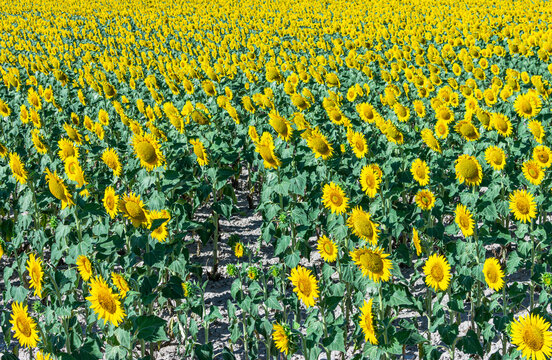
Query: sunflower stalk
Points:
[531, 282]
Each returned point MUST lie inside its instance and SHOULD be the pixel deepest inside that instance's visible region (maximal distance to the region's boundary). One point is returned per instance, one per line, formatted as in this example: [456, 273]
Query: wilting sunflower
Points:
[327, 249]
[531, 334]
[537, 130]
[543, 156]
[369, 181]
[265, 148]
[85, 267]
[280, 125]
[34, 267]
[120, 283]
[334, 198]
[160, 234]
[199, 151]
[420, 172]
[373, 263]
[357, 141]
[367, 322]
[533, 172]
[319, 144]
[281, 336]
[148, 151]
[437, 271]
[494, 276]
[416, 241]
[468, 170]
[527, 105]
[110, 201]
[66, 149]
[464, 219]
[74, 171]
[425, 199]
[495, 157]
[17, 168]
[305, 284]
[502, 124]
[104, 302]
[362, 226]
[111, 159]
[23, 326]
[466, 129]
[58, 189]
[522, 205]
[133, 208]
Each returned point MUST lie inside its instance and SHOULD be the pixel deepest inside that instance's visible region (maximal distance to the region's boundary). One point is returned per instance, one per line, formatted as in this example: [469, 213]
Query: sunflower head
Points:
[464, 220]
[466, 129]
[104, 302]
[120, 283]
[319, 144]
[369, 180]
[111, 159]
[334, 198]
[23, 326]
[133, 208]
[533, 172]
[416, 241]
[531, 334]
[327, 249]
[468, 170]
[495, 157]
[161, 232]
[522, 205]
[148, 151]
[17, 168]
[367, 322]
[305, 285]
[199, 151]
[494, 276]
[437, 271]
[58, 189]
[357, 141]
[502, 124]
[111, 201]
[537, 130]
[425, 199]
[34, 267]
[373, 263]
[85, 267]
[361, 224]
[265, 147]
[420, 171]
[282, 337]
[543, 156]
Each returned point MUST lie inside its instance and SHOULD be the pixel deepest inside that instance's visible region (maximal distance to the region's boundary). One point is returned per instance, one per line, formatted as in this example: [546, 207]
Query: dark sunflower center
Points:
[464, 221]
[437, 272]
[146, 151]
[106, 302]
[533, 338]
[468, 130]
[492, 275]
[420, 172]
[526, 107]
[522, 205]
[135, 211]
[534, 173]
[336, 199]
[359, 145]
[280, 126]
[469, 169]
[320, 146]
[198, 152]
[543, 157]
[304, 286]
[364, 226]
[35, 275]
[328, 248]
[372, 262]
[23, 326]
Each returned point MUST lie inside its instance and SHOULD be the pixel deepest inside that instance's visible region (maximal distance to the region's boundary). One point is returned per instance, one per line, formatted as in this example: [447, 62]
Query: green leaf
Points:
[335, 340]
[150, 328]
[273, 303]
[204, 352]
[470, 344]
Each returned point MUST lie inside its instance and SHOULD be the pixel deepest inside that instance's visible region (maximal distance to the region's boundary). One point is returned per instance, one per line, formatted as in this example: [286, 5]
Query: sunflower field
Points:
[313, 179]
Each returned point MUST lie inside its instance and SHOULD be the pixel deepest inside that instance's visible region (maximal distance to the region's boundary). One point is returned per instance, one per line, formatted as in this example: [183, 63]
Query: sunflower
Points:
[85, 267]
[281, 336]
[543, 156]
[437, 271]
[327, 249]
[444, 113]
[425, 199]
[419, 108]
[537, 130]
[120, 283]
[5, 110]
[467, 130]
[367, 112]
[34, 267]
[23, 326]
[369, 181]
[420, 171]
[67, 148]
[161, 233]
[74, 171]
[468, 170]
[72, 133]
[495, 157]
[373, 263]
[238, 250]
[111, 159]
[532, 336]
[17, 168]
[527, 105]
[502, 124]
[148, 151]
[58, 189]
[464, 219]
[334, 198]
[362, 226]
[441, 129]
[199, 151]
[265, 148]
[522, 205]
[3, 151]
[367, 322]
[533, 172]
[494, 276]
[110, 201]
[280, 125]
[430, 140]
[319, 144]
[104, 302]
[37, 142]
[133, 208]
[305, 284]
[416, 241]
[358, 143]
[40, 356]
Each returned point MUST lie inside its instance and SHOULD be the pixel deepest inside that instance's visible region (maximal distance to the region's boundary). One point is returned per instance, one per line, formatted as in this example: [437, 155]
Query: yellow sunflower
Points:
[334, 198]
[543, 156]
[537, 130]
[103, 117]
[464, 219]
[199, 151]
[532, 336]
[41, 356]
[494, 276]
[367, 322]
[527, 105]
[533, 172]
[369, 181]
[441, 129]
[281, 336]
[416, 241]
[280, 125]
[430, 140]
[327, 249]
[425, 199]
[360, 223]
[148, 151]
[104, 302]
[466, 129]
[40, 147]
[5, 110]
[133, 208]
[66, 149]
[265, 147]
[17, 168]
[305, 284]
[319, 144]
[110, 201]
[522, 205]
[120, 283]
[111, 159]
[468, 170]
[160, 234]
[357, 141]
[85, 267]
[238, 250]
[74, 171]
[367, 112]
[23, 326]
[34, 267]
[502, 124]
[58, 189]
[437, 271]
[495, 157]
[420, 171]
[373, 263]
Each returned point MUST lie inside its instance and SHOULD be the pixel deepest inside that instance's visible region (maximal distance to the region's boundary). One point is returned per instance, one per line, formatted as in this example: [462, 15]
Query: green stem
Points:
[532, 297]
